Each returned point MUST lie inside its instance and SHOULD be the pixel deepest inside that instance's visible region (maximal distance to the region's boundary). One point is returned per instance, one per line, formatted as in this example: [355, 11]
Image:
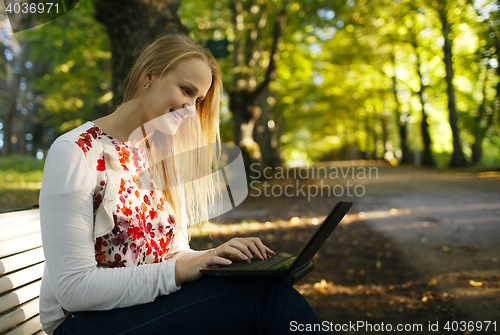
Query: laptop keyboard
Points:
[265, 264]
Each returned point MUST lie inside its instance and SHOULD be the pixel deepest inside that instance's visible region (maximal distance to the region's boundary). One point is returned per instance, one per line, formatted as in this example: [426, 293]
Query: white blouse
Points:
[108, 242]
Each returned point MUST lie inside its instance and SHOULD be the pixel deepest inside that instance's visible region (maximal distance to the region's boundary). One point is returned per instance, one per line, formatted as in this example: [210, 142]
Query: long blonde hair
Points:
[199, 196]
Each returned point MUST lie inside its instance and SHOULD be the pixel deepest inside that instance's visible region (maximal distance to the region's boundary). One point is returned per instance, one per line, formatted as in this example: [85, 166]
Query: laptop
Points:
[291, 269]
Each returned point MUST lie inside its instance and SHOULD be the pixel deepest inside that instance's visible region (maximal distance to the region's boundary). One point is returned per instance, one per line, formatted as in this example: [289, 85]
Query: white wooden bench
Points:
[21, 269]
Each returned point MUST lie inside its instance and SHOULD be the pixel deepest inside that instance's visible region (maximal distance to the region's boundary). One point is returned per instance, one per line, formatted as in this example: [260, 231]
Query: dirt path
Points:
[419, 247]
[447, 226]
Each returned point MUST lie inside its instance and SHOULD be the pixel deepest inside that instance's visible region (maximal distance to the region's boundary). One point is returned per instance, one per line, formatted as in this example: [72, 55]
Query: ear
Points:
[146, 80]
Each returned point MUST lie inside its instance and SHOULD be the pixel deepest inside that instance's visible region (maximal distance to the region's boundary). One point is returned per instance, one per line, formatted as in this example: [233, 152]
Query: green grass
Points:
[20, 181]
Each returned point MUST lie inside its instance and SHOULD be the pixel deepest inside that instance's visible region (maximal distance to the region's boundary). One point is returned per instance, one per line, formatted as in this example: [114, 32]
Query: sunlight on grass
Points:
[20, 182]
[15, 180]
[254, 226]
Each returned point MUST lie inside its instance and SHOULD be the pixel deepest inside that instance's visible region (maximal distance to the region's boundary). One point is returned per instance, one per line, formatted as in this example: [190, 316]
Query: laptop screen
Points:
[321, 235]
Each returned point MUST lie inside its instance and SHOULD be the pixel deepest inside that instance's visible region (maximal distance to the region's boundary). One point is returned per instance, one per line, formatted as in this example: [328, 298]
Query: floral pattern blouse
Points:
[143, 230]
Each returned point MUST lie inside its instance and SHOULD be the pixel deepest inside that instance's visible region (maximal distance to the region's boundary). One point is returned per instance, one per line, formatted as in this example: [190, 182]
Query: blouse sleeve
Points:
[66, 215]
[180, 246]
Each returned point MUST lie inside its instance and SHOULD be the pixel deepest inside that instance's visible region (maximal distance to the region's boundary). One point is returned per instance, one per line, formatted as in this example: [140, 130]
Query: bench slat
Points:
[19, 296]
[17, 229]
[20, 244]
[6, 219]
[24, 312]
[20, 261]
[27, 328]
[20, 278]
[21, 268]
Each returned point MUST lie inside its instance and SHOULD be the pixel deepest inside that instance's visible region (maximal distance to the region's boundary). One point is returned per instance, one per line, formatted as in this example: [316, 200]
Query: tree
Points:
[70, 63]
[457, 156]
[427, 159]
[130, 25]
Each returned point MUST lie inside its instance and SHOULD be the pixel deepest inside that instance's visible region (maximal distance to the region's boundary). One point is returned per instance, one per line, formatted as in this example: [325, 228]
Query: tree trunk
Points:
[368, 131]
[375, 135]
[131, 24]
[405, 158]
[246, 110]
[244, 101]
[265, 136]
[457, 157]
[427, 159]
[385, 132]
[480, 132]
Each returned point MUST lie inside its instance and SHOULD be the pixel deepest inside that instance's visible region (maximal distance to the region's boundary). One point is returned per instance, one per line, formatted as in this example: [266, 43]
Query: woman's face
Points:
[165, 100]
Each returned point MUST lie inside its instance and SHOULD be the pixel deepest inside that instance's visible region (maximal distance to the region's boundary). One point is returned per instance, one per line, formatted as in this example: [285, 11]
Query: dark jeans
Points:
[221, 305]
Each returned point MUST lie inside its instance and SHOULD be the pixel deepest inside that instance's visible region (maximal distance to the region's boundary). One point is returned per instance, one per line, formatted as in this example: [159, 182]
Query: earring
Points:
[146, 86]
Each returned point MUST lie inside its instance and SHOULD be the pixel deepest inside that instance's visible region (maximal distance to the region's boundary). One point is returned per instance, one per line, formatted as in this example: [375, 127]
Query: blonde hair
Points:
[201, 195]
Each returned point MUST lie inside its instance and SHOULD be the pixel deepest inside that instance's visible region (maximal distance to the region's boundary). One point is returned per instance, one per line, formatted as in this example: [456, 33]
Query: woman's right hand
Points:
[237, 248]
[189, 269]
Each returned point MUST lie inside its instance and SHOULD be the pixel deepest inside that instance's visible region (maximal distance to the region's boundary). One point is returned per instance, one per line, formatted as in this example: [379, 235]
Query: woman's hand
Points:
[243, 249]
[237, 249]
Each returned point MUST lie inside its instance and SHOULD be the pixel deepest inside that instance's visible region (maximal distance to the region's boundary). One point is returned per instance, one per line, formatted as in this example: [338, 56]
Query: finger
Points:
[242, 246]
[235, 251]
[269, 251]
[262, 248]
[217, 259]
[254, 248]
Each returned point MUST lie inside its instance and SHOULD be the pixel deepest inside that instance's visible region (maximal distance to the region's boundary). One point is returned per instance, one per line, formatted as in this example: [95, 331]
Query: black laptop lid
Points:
[324, 231]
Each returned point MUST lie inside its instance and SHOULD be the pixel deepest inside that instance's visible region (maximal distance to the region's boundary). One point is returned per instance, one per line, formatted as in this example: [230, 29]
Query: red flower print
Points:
[118, 263]
[164, 243]
[171, 219]
[100, 255]
[149, 230]
[120, 236]
[135, 232]
[101, 165]
[93, 131]
[124, 156]
[127, 211]
[136, 159]
[97, 201]
[148, 248]
[122, 186]
[152, 214]
[160, 228]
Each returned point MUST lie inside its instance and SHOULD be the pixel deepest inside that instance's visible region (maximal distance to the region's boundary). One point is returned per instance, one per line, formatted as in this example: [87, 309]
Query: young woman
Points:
[116, 198]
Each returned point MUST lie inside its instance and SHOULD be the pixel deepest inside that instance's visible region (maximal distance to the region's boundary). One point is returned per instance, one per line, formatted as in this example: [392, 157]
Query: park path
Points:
[447, 226]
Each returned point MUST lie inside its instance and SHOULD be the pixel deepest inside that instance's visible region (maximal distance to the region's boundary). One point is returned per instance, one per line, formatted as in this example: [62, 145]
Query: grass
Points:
[20, 181]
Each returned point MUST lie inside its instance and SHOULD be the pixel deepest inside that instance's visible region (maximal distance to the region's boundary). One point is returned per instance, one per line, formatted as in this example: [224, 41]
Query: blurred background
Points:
[407, 82]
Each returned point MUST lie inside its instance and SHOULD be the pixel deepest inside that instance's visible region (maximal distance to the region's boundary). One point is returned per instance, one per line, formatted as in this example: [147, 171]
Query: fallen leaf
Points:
[432, 282]
[445, 248]
[378, 264]
[475, 283]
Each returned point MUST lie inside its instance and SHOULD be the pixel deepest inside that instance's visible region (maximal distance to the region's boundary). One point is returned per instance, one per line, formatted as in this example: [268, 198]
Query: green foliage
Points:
[71, 58]
[333, 94]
